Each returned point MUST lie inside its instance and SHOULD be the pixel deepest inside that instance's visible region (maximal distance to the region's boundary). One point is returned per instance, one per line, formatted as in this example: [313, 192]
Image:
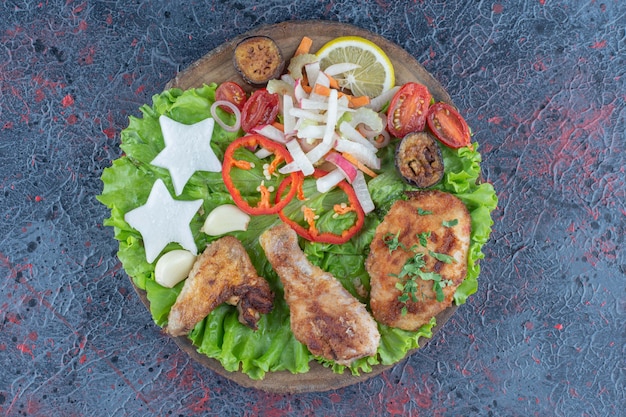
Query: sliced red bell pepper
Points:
[311, 233]
[265, 205]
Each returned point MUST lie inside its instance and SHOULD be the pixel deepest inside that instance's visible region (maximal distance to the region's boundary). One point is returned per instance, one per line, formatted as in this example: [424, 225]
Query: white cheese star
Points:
[163, 220]
[187, 150]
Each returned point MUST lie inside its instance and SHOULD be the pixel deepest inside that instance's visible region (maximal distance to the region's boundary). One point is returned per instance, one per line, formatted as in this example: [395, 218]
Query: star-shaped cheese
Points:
[187, 150]
[163, 220]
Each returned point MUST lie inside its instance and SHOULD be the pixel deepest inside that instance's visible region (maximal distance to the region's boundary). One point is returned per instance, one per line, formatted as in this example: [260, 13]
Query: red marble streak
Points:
[14, 270]
[599, 44]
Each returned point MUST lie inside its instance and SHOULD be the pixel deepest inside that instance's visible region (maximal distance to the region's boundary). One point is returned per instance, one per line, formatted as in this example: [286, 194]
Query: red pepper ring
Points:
[263, 207]
[326, 237]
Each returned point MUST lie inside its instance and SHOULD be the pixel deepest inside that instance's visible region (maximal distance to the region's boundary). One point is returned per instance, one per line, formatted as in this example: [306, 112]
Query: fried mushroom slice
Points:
[222, 273]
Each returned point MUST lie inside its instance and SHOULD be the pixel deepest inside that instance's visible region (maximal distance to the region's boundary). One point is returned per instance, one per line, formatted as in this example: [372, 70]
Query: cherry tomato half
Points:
[448, 125]
[408, 110]
[233, 93]
[260, 109]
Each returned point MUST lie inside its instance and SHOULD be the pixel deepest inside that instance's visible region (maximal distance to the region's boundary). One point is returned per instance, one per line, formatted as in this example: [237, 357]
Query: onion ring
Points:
[229, 128]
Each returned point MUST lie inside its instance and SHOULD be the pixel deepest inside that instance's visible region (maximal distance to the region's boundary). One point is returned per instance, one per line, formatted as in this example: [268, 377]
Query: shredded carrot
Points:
[307, 88]
[343, 208]
[353, 101]
[300, 192]
[333, 82]
[279, 126]
[304, 47]
[241, 164]
[360, 165]
[265, 197]
[358, 101]
[274, 164]
[309, 217]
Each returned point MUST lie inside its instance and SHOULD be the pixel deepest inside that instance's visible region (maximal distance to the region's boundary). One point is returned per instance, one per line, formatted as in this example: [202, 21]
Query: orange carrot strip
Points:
[353, 101]
[274, 164]
[333, 82]
[304, 47]
[279, 126]
[241, 164]
[265, 197]
[343, 209]
[358, 101]
[307, 88]
[309, 217]
[359, 165]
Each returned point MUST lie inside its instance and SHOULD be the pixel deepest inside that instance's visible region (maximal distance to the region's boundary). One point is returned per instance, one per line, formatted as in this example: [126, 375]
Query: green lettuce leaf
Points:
[127, 183]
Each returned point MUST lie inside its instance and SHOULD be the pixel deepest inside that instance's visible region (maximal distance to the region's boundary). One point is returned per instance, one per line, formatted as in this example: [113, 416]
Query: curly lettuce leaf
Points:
[273, 347]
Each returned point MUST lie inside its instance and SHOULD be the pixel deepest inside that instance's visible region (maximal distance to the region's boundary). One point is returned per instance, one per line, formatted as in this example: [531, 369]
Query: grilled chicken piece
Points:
[396, 241]
[324, 315]
[222, 273]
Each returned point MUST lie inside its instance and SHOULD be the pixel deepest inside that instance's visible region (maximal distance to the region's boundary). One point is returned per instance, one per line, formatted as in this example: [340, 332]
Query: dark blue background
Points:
[542, 83]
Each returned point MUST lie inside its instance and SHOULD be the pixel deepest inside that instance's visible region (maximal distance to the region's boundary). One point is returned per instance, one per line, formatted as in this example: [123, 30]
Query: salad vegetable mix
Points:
[306, 152]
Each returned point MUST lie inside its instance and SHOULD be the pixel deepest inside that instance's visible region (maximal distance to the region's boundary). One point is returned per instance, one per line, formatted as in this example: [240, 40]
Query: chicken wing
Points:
[433, 228]
[329, 320]
[222, 273]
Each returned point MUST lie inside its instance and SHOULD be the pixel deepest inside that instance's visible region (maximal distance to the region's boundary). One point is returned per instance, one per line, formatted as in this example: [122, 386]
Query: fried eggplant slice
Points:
[419, 160]
[329, 320]
[432, 227]
[222, 273]
[258, 59]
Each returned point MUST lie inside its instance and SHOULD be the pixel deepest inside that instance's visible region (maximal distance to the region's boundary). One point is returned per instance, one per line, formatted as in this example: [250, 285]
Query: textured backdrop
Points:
[542, 83]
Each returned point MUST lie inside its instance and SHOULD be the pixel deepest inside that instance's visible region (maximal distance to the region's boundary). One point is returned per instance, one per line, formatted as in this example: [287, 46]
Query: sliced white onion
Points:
[340, 68]
[312, 70]
[351, 133]
[360, 152]
[328, 181]
[298, 92]
[362, 193]
[309, 104]
[307, 114]
[299, 157]
[349, 171]
[289, 121]
[311, 132]
[235, 127]
[377, 103]
[329, 134]
[263, 153]
[270, 132]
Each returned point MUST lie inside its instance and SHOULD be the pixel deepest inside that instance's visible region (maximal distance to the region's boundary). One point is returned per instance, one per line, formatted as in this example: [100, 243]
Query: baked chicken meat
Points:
[325, 317]
[222, 273]
[418, 257]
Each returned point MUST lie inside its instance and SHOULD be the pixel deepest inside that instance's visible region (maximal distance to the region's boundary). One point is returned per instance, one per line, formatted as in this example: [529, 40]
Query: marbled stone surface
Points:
[541, 82]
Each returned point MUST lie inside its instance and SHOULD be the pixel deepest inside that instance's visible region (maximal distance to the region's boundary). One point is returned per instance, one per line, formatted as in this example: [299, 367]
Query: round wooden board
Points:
[217, 66]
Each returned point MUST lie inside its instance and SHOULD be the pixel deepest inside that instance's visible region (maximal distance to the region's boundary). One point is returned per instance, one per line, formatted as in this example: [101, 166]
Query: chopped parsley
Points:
[413, 269]
[450, 223]
[423, 212]
[393, 241]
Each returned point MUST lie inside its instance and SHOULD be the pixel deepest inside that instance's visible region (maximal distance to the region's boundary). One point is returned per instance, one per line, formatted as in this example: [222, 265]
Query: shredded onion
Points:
[328, 181]
[235, 127]
[299, 157]
[362, 193]
[342, 164]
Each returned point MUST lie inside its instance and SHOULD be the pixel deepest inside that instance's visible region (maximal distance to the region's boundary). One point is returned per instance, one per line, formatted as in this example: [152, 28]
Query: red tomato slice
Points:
[233, 93]
[408, 110]
[448, 125]
[260, 109]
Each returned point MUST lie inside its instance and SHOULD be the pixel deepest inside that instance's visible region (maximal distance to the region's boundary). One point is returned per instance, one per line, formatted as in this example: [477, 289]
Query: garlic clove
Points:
[224, 219]
[173, 267]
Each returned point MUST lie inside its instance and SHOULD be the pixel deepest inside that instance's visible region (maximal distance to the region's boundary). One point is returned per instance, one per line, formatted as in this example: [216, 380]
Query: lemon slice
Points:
[375, 72]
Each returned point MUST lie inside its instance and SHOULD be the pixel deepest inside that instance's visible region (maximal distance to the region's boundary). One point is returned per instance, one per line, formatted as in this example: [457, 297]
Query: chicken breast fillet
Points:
[433, 217]
[329, 320]
[222, 273]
